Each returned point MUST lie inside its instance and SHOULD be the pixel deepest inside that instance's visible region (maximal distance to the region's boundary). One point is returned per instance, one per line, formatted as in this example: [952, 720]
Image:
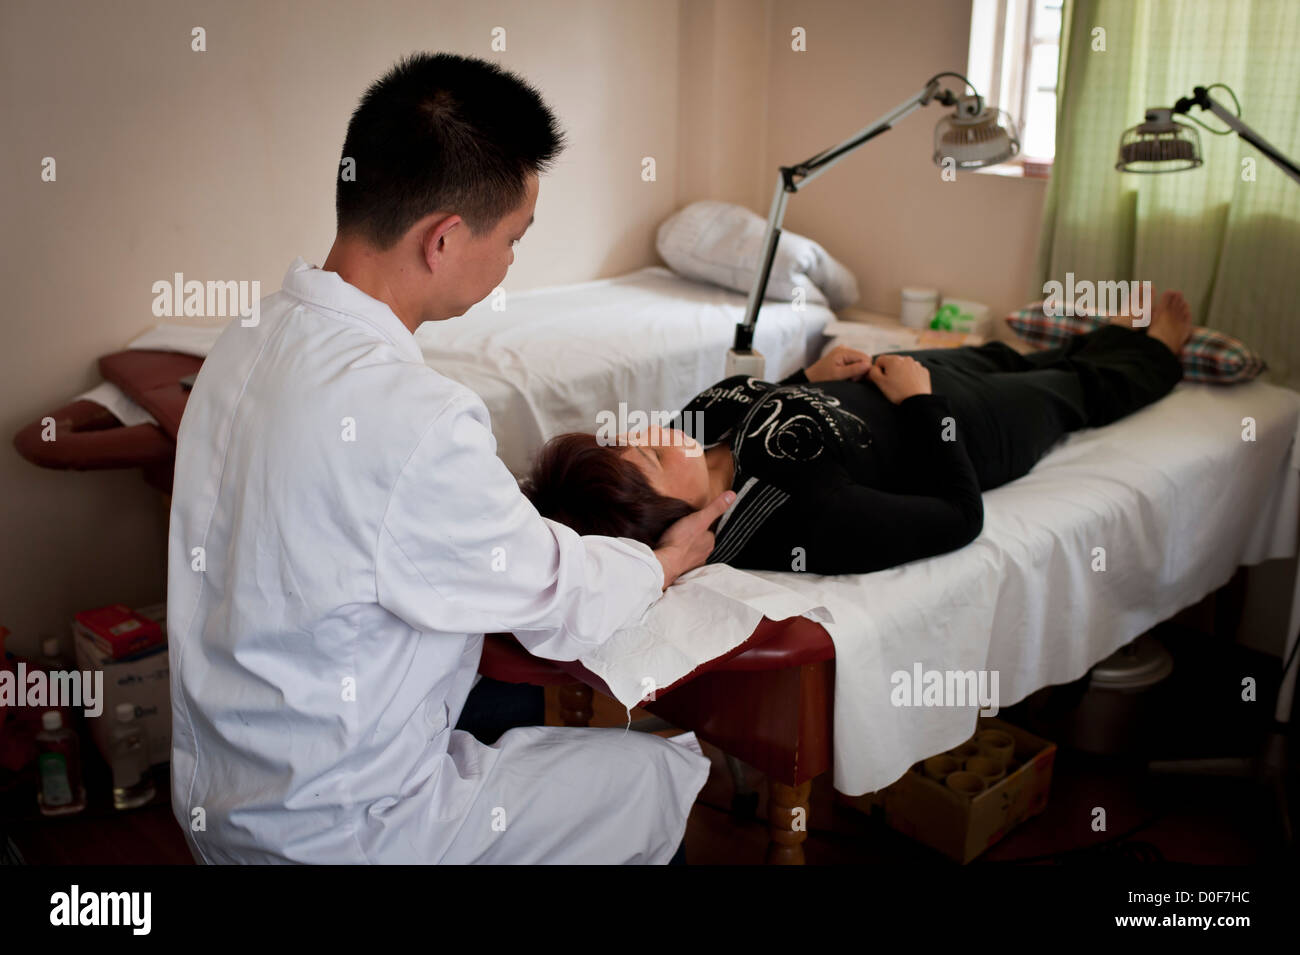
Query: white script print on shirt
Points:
[801, 437]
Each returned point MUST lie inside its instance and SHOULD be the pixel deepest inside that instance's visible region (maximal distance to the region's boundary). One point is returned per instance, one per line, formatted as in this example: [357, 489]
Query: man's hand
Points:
[839, 363]
[900, 377]
[688, 542]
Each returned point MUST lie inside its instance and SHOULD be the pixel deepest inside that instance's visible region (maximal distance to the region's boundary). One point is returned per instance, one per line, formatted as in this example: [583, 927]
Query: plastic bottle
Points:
[62, 791]
[50, 658]
[53, 664]
[129, 749]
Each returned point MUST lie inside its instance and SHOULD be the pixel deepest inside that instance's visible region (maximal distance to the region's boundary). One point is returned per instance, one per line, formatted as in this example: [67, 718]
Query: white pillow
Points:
[721, 242]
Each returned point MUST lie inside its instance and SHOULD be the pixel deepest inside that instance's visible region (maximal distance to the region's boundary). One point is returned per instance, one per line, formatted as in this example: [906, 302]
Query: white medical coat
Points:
[342, 535]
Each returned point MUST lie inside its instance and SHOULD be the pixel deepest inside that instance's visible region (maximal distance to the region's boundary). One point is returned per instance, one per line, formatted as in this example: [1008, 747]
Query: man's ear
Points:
[435, 232]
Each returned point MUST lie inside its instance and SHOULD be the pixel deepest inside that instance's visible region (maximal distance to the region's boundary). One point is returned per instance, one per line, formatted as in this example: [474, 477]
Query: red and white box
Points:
[118, 632]
[144, 681]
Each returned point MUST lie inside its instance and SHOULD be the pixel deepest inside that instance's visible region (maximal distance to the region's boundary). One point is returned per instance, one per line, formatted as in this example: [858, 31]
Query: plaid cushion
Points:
[1219, 359]
[1209, 356]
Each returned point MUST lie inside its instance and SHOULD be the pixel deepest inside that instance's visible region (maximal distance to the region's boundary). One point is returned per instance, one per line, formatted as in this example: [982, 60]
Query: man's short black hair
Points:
[441, 132]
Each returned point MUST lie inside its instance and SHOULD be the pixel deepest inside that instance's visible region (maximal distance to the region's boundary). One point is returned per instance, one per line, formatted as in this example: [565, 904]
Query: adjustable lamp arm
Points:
[1201, 97]
[793, 178]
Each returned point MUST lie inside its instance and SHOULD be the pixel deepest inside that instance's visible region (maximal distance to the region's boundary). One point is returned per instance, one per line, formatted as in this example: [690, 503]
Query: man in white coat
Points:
[343, 534]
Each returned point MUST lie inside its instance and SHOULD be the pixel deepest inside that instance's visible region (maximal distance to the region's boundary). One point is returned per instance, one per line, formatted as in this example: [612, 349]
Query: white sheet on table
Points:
[706, 613]
[119, 403]
[556, 356]
[194, 340]
[1173, 493]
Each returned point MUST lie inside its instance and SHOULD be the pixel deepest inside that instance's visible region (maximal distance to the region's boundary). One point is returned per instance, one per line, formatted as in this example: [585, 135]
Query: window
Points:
[1014, 49]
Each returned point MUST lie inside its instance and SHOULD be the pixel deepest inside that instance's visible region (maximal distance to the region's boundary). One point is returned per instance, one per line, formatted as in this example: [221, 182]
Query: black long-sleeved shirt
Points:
[833, 478]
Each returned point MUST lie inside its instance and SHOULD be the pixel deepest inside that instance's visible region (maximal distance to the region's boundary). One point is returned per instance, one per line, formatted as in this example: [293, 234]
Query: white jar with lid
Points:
[919, 306]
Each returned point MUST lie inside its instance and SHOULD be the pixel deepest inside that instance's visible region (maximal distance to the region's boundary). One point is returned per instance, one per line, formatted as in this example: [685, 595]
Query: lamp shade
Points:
[975, 135]
[1160, 144]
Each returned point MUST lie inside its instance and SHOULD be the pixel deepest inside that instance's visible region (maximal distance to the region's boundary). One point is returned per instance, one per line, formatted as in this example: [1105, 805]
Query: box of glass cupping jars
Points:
[962, 826]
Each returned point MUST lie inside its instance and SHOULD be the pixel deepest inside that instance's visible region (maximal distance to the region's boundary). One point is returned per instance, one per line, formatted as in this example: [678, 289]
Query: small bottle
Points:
[129, 750]
[52, 664]
[50, 658]
[62, 791]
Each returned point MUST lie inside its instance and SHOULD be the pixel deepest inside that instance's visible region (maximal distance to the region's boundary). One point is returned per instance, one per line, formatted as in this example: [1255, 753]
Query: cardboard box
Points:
[960, 827]
[143, 681]
[119, 632]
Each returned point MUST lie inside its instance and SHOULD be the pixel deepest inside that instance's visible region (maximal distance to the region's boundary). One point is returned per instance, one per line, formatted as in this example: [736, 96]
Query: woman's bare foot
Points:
[1171, 322]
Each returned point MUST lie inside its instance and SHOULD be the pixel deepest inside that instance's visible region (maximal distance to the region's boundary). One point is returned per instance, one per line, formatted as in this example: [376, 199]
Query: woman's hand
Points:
[899, 377]
[839, 363]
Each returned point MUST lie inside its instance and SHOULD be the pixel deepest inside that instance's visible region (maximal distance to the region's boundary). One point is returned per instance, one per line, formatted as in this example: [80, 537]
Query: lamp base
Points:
[750, 363]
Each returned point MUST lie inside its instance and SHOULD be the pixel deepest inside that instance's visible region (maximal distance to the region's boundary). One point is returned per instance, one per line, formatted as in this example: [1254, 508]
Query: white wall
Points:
[884, 211]
[221, 165]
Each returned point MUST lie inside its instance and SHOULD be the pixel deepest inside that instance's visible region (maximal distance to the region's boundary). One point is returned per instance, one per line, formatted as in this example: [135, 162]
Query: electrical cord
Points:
[1235, 103]
[979, 100]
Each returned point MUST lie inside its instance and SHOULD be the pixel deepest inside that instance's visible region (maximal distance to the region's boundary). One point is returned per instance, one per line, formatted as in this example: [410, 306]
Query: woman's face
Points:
[672, 461]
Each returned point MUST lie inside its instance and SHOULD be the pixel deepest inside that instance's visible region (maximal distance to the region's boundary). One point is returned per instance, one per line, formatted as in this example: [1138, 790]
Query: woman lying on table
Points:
[857, 465]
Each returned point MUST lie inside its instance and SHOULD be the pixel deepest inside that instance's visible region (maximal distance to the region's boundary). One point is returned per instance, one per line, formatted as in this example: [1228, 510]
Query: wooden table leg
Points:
[787, 820]
[575, 704]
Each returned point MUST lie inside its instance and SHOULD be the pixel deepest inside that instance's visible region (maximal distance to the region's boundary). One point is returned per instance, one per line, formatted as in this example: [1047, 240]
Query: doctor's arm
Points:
[461, 550]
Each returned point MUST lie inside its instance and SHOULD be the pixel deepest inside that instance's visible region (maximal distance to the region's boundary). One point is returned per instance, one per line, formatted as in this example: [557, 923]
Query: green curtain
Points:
[1231, 245]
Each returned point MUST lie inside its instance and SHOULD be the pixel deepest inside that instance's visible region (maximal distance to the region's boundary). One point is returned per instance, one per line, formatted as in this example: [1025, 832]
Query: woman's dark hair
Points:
[441, 132]
[590, 487]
